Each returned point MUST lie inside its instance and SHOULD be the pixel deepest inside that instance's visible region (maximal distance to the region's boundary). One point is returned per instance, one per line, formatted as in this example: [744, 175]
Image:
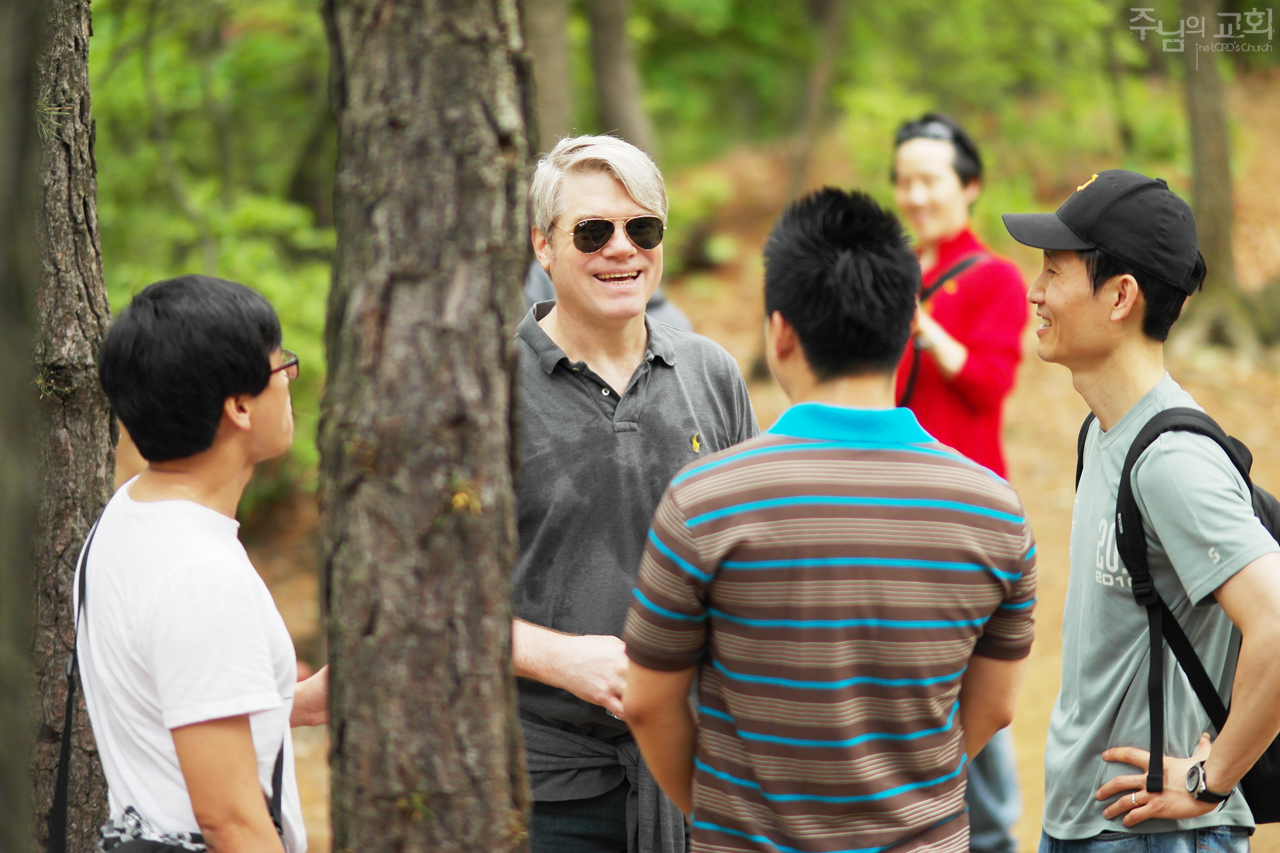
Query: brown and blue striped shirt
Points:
[831, 579]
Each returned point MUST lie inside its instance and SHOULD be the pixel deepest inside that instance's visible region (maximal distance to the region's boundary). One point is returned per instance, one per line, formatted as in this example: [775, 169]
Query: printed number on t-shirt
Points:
[1108, 558]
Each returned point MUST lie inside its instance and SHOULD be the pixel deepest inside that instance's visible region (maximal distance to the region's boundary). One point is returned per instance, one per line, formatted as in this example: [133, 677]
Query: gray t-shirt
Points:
[1201, 530]
[593, 469]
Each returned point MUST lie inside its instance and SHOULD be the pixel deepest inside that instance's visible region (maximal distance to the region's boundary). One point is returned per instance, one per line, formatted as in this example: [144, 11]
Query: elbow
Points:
[640, 711]
[236, 826]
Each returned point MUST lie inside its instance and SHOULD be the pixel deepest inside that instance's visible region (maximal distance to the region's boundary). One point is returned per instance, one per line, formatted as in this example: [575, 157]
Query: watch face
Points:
[1194, 776]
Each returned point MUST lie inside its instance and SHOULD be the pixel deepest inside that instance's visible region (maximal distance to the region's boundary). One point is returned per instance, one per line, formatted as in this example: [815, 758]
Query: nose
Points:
[619, 245]
[918, 193]
[1035, 293]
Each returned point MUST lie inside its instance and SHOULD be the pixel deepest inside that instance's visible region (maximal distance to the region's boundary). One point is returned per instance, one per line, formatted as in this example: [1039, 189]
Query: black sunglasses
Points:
[592, 235]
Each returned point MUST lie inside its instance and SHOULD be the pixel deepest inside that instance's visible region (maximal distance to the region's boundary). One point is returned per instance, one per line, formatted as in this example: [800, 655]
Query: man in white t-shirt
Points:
[189, 673]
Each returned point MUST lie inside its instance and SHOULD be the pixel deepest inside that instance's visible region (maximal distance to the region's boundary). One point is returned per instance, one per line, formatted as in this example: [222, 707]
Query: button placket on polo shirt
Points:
[627, 417]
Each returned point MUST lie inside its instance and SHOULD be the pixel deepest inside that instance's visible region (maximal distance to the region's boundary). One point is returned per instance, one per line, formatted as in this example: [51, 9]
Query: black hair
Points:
[839, 269]
[1163, 300]
[968, 162]
[173, 357]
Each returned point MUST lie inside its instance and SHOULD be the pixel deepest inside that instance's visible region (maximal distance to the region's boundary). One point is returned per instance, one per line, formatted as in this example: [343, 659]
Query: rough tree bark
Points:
[619, 92]
[546, 30]
[76, 435]
[417, 435]
[1218, 314]
[19, 33]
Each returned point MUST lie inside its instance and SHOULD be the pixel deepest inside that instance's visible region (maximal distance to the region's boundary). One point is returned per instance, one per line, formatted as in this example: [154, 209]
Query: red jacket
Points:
[984, 308]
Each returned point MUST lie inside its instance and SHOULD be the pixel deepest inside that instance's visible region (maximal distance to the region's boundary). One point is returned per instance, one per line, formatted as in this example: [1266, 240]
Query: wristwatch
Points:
[1197, 786]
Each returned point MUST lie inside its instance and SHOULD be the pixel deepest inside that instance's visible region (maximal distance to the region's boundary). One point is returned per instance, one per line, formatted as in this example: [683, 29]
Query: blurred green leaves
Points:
[216, 149]
[215, 155]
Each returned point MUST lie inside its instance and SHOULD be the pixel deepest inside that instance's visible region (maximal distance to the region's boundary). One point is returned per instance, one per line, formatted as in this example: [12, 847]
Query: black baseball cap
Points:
[1130, 216]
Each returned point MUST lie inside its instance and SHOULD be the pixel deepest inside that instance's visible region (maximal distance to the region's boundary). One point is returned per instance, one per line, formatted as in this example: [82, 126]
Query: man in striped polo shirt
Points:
[855, 597]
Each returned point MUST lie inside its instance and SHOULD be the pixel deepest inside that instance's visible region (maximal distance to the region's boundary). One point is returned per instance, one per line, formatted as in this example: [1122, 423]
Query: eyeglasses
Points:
[592, 235]
[289, 365]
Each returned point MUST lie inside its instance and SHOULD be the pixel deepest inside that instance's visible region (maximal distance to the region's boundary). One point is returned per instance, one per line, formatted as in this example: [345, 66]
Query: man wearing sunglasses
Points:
[960, 366]
[613, 404]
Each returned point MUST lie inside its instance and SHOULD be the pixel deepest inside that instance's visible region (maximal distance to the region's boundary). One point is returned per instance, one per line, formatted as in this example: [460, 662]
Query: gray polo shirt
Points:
[594, 466]
[1201, 530]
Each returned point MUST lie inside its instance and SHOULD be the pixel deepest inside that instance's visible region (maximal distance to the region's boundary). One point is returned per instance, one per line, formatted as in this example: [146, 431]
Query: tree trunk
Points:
[1218, 314]
[619, 93]
[19, 26]
[76, 431]
[829, 24]
[546, 30]
[417, 433]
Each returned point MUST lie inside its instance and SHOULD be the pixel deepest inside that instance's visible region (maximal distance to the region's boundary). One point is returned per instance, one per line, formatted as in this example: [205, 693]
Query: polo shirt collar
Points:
[840, 423]
[661, 344]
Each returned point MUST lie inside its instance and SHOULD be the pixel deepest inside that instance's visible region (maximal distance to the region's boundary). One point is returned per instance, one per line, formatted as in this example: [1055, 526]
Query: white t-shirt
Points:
[180, 629]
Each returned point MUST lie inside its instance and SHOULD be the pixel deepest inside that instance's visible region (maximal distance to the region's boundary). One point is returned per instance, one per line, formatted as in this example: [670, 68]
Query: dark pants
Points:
[594, 825]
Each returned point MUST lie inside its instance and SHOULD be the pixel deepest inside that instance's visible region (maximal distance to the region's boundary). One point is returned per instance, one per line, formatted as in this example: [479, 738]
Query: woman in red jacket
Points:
[960, 366]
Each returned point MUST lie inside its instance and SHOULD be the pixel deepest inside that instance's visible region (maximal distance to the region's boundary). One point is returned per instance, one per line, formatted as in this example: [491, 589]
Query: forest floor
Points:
[1042, 419]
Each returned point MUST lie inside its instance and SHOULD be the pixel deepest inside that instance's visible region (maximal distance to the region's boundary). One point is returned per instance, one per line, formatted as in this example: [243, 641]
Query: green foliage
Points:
[216, 150]
[215, 156]
[723, 72]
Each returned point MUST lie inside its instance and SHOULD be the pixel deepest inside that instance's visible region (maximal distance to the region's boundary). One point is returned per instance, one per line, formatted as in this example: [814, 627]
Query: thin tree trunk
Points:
[1219, 314]
[830, 26]
[546, 29]
[619, 91]
[417, 434]
[19, 26]
[76, 431]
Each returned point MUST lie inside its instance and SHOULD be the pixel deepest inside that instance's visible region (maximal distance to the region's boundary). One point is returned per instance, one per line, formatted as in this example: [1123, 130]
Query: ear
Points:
[541, 248]
[236, 411]
[971, 191]
[781, 337]
[1126, 298]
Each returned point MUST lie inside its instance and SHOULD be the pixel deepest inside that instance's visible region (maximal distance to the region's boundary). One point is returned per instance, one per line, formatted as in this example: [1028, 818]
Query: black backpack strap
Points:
[1131, 542]
[277, 784]
[1080, 439]
[57, 842]
[925, 292]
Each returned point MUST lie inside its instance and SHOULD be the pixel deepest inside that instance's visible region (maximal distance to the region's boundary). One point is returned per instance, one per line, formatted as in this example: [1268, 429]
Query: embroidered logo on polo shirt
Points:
[697, 445]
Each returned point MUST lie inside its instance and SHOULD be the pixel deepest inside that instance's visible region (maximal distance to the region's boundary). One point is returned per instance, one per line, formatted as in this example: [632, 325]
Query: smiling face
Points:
[928, 192]
[1077, 326]
[605, 287]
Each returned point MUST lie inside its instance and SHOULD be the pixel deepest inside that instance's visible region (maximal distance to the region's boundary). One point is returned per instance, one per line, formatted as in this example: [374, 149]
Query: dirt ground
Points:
[1042, 418]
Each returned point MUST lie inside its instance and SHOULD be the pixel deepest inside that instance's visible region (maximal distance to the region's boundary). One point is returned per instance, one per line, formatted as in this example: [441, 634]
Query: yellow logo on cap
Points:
[1086, 183]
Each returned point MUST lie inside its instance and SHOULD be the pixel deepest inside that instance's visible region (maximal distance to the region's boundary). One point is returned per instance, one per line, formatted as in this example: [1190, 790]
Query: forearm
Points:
[667, 743]
[948, 353]
[311, 700]
[590, 666]
[242, 834]
[536, 652]
[662, 722]
[1255, 712]
[988, 695]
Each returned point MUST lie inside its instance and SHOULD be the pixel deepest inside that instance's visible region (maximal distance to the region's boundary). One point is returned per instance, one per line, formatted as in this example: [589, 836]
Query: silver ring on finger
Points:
[1133, 798]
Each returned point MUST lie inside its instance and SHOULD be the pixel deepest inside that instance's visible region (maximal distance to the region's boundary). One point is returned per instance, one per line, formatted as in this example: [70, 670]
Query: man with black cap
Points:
[1120, 258]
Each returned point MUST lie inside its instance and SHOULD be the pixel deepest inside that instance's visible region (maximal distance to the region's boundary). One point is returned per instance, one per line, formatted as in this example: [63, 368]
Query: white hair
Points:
[583, 154]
